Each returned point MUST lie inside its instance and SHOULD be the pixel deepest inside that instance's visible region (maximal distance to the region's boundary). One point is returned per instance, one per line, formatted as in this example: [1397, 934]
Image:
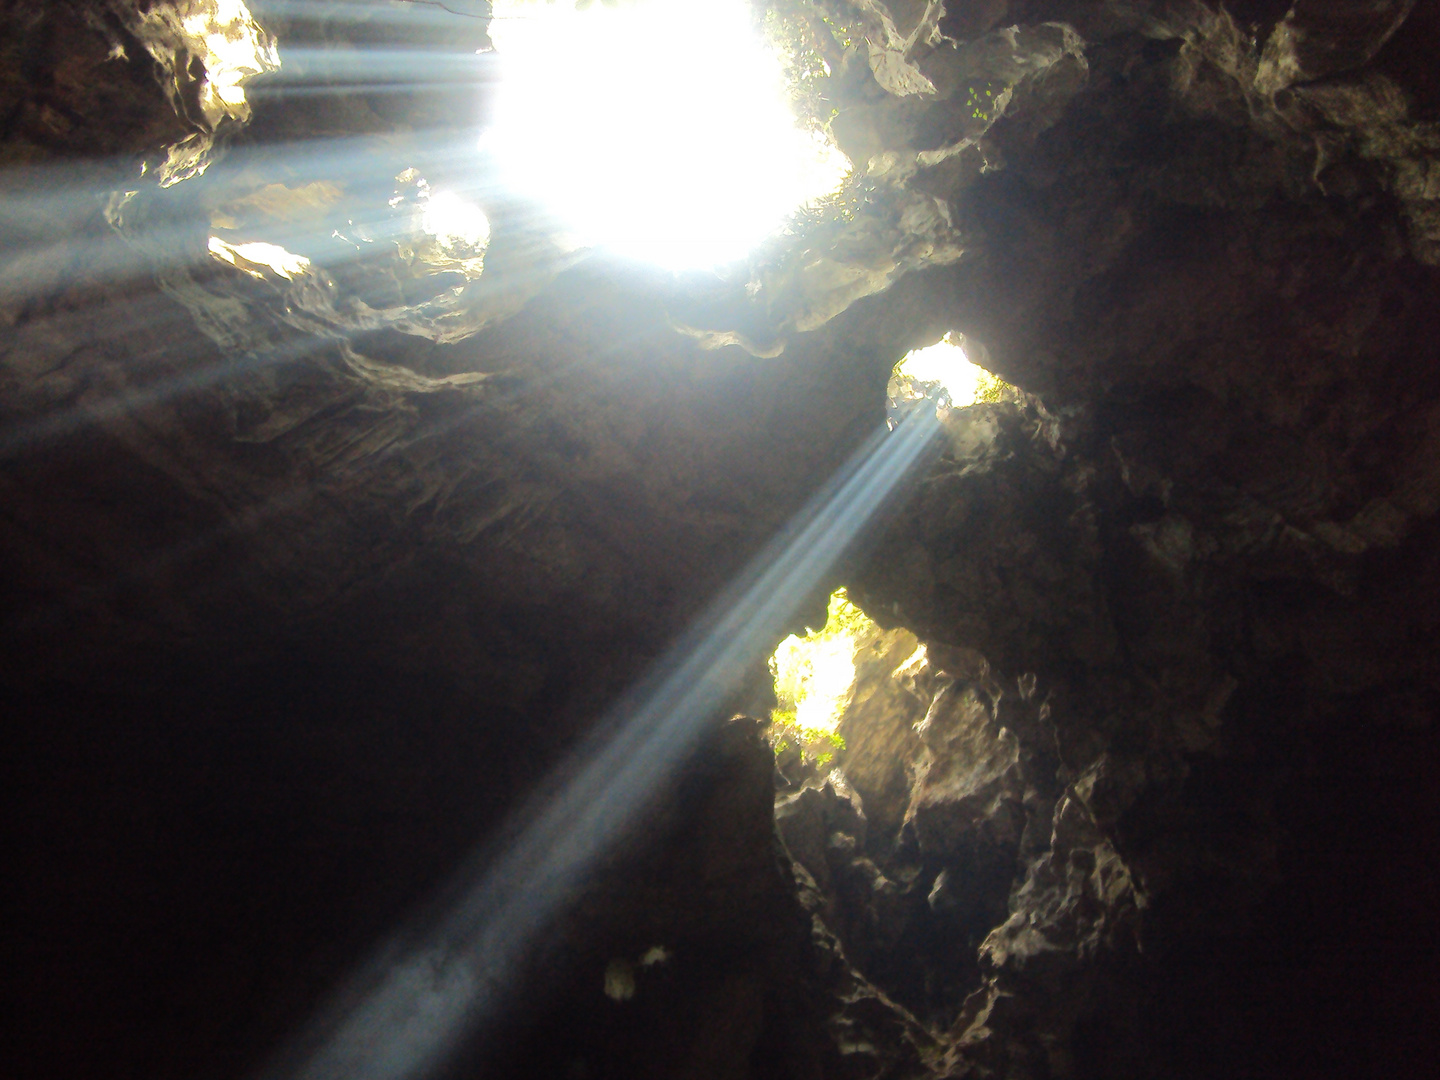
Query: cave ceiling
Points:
[327, 532]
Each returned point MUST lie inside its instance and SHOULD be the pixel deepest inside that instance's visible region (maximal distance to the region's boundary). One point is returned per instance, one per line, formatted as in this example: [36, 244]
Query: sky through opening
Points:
[659, 129]
[945, 366]
[815, 672]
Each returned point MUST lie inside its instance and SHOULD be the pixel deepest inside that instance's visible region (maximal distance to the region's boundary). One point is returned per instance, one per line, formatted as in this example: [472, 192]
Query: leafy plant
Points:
[818, 746]
[813, 43]
[982, 100]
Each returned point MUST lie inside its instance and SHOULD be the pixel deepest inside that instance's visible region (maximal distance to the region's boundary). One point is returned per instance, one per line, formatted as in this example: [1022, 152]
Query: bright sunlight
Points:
[659, 129]
[255, 258]
[946, 366]
[815, 676]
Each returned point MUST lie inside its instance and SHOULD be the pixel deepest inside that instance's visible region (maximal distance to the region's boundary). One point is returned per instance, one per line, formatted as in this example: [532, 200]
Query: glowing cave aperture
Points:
[815, 674]
[946, 367]
[256, 258]
[660, 129]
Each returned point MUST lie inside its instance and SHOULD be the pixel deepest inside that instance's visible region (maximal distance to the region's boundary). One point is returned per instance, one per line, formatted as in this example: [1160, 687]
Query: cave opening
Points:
[662, 130]
[877, 744]
[945, 371]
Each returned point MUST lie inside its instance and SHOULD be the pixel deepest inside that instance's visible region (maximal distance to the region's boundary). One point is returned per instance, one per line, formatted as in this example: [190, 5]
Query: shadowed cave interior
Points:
[352, 504]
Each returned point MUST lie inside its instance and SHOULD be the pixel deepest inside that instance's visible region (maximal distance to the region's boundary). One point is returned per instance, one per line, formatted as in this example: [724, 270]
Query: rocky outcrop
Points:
[1131, 587]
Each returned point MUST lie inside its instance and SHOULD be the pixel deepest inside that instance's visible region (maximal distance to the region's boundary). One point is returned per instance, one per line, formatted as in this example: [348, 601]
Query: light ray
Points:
[426, 993]
[424, 14]
[19, 437]
[54, 233]
[379, 68]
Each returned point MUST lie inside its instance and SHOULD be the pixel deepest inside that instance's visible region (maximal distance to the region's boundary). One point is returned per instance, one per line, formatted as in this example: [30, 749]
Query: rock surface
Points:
[310, 575]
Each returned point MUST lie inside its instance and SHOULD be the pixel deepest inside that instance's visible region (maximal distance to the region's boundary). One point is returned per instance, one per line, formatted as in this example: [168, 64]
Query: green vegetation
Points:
[982, 100]
[813, 677]
[817, 745]
[837, 209]
[813, 44]
[990, 387]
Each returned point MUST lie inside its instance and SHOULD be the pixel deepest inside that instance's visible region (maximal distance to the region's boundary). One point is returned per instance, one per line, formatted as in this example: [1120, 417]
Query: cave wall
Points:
[307, 583]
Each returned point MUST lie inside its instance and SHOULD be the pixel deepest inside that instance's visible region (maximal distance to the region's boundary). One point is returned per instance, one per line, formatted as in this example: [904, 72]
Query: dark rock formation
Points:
[309, 577]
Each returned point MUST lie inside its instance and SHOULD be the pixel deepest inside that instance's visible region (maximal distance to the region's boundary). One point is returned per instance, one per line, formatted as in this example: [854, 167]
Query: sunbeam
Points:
[21, 436]
[375, 69]
[422, 996]
[60, 226]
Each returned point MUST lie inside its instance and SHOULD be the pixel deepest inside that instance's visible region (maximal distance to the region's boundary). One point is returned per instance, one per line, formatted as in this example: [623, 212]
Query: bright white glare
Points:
[406, 1013]
[816, 673]
[455, 222]
[250, 257]
[945, 363]
[231, 45]
[660, 129]
[823, 674]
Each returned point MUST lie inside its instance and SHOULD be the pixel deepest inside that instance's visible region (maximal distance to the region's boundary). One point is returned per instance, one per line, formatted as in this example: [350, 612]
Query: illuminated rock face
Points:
[308, 580]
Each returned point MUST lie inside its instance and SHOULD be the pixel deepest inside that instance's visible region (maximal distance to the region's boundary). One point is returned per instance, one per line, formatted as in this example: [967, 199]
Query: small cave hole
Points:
[663, 130]
[945, 374]
[879, 740]
[814, 677]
